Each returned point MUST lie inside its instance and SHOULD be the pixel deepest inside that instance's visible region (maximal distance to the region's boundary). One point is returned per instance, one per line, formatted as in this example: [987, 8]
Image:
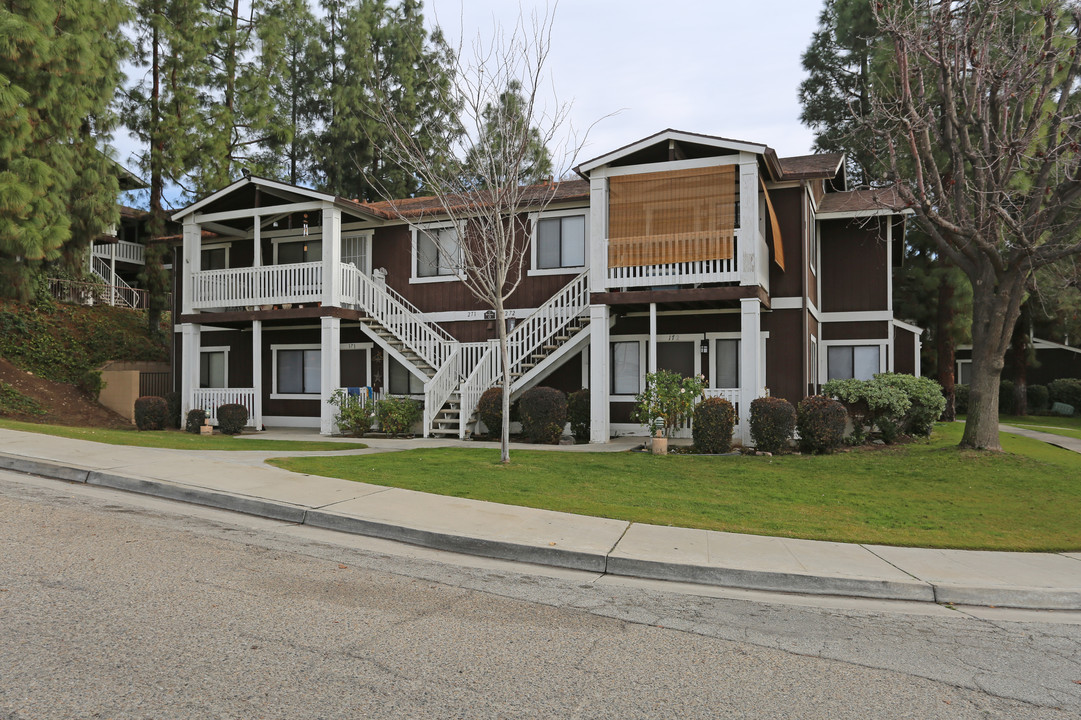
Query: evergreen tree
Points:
[59, 70]
[504, 123]
[164, 112]
[376, 50]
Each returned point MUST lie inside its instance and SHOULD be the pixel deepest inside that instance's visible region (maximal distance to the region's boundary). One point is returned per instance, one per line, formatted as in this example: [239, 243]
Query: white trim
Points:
[957, 377]
[534, 220]
[720, 143]
[414, 253]
[288, 239]
[264, 182]
[246, 213]
[881, 212]
[217, 245]
[291, 421]
[475, 315]
[669, 313]
[913, 328]
[1041, 344]
[712, 338]
[224, 349]
[857, 316]
[669, 166]
[274, 394]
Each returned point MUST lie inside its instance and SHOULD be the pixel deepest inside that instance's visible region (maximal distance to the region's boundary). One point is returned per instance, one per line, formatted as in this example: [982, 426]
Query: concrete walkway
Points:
[239, 481]
[1066, 443]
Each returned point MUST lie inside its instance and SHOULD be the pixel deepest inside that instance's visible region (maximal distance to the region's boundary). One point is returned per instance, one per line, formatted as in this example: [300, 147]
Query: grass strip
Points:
[925, 494]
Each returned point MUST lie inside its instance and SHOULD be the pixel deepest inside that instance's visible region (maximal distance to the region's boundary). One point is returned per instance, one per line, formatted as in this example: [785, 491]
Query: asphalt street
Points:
[115, 605]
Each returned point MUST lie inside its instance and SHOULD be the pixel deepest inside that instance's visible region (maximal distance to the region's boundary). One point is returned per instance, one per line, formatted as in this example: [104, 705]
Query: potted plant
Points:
[666, 404]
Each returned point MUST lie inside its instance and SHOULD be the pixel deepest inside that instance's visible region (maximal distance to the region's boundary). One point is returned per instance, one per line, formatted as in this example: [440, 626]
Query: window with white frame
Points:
[852, 361]
[401, 381]
[726, 364]
[813, 372]
[298, 251]
[214, 367]
[964, 372]
[560, 242]
[297, 370]
[626, 369]
[438, 252]
[215, 257]
[356, 251]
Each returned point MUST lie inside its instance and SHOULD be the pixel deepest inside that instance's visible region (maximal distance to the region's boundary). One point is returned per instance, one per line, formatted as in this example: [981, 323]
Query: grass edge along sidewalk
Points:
[176, 439]
[922, 494]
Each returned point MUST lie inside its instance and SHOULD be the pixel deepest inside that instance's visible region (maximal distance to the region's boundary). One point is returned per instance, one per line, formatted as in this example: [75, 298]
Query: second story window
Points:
[214, 258]
[561, 242]
[300, 251]
[438, 253]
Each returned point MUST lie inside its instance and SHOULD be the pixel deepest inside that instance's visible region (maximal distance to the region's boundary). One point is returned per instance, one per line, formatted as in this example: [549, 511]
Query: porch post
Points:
[598, 374]
[112, 272]
[257, 242]
[750, 382]
[189, 367]
[192, 262]
[331, 370]
[332, 256]
[257, 372]
[652, 361]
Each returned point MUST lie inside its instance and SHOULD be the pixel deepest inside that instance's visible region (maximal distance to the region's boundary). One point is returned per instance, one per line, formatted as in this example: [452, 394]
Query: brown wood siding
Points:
[678, 324]
[620, 412]
[239, 345]
[567, 377]
[785, 354]
[878, 330]
[854, 266]
[295, 408]
[788, 202]
[904, 351]
[392, 249]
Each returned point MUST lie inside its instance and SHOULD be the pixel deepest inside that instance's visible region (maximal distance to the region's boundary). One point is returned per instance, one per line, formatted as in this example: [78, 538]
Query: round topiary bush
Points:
[150, 412]
[821, 424]
[578, 414]
[773, 420]
[544, 414]
[490, 410]
[195, 420]
[712, 424]
[232, 418]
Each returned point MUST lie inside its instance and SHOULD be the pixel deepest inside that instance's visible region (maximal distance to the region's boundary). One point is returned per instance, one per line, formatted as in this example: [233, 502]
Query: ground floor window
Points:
[852, 361]
[297, 371]
[626, 369]
[964, 372]
[726, 364]
[213, 368]
[403, 382]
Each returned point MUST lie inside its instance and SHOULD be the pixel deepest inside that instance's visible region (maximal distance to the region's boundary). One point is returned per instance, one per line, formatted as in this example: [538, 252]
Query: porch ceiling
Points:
[244, 318]
[682, 299]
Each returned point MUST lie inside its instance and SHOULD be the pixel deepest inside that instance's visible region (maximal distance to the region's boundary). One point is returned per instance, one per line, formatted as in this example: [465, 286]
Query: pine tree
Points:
[385, 52]
[59, 70]
[505, 122]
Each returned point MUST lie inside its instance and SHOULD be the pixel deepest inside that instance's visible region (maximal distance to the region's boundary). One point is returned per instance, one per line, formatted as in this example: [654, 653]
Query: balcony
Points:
[122, 250]
[264, 285]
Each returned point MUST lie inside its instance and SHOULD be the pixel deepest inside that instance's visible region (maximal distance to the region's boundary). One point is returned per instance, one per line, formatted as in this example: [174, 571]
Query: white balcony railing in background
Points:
[119, 293]
[124, 251]
[688, 273]
[264, 285]
[210, 399]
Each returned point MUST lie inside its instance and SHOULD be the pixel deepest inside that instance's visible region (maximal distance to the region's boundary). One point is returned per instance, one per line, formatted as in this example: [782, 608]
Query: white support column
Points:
[750, 382]
[112, 272]
[192, 261]
[652, 361]
[747, 246]
[332, 256]
[598, 232]
[598, 374]
[189, 367]
[257, 242]
[257, 372]
[331, 375]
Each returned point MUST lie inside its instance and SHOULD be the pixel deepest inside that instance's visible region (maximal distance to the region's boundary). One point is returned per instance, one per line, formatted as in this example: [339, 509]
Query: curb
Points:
[1032, 598]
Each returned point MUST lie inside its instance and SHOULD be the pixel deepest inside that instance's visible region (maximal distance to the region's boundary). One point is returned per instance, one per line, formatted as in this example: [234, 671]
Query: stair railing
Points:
[442, 385]
[122, 293]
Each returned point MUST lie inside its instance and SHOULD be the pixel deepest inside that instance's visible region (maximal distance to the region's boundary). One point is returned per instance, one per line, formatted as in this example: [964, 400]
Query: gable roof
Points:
[564, 191]
[352, 206]
[863, 203]
[714, 141]
[808, 167]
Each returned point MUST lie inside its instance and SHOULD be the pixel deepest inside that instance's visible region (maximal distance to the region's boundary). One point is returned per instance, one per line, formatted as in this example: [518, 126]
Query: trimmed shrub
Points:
[232, 417]
[821, 424]
[925, 397]
[544, 414]
[1007, 400]
[873, 403]
[1065, 390]
[714, 419]
[773, 421]
[172, 401]
[1038, 396]
[91, 383]
[578, 414]
[960, 399]
[195, 420]
[398, 415]
[150, 412]
[490, 410]
[355, 414]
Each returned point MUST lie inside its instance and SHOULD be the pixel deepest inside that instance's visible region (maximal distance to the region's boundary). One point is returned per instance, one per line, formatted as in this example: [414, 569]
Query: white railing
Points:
[119, 292]
[86, 293]
[685, 273]
[426, 339]
[442, 385]
[525, 339]
[263, 285]
[729, 394]
[210, 399]
[122, 250]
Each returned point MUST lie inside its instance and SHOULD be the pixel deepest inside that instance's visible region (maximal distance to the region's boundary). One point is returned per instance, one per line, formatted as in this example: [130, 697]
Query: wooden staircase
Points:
[391, 340]
[447, 422]
[554, 343]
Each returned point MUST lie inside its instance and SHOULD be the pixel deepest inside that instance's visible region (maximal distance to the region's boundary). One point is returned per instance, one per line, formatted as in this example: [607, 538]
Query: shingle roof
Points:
[869, 199]
[806, 167]
[564, 191]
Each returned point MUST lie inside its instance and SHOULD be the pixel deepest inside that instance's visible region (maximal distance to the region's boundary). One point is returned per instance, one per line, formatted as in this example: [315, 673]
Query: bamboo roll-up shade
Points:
[671, 217]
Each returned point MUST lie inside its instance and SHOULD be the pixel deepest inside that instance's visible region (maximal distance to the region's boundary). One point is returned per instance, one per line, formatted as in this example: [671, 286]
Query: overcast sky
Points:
[636, 67]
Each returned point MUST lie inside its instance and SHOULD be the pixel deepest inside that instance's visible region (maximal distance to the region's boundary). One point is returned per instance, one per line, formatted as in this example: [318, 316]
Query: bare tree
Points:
[475, 163]
[979, 109]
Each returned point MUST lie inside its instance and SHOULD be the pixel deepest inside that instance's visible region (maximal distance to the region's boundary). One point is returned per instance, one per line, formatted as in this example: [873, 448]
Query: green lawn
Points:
[174, 439]
[1066, 426]
[928, 494]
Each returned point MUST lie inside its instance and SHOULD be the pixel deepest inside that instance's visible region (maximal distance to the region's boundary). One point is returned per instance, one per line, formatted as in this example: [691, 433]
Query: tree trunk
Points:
[504, 354]
[996, 305]
[944, 347]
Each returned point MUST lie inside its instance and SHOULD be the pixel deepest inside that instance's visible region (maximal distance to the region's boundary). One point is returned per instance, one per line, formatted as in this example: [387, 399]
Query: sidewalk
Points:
[239, 481]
